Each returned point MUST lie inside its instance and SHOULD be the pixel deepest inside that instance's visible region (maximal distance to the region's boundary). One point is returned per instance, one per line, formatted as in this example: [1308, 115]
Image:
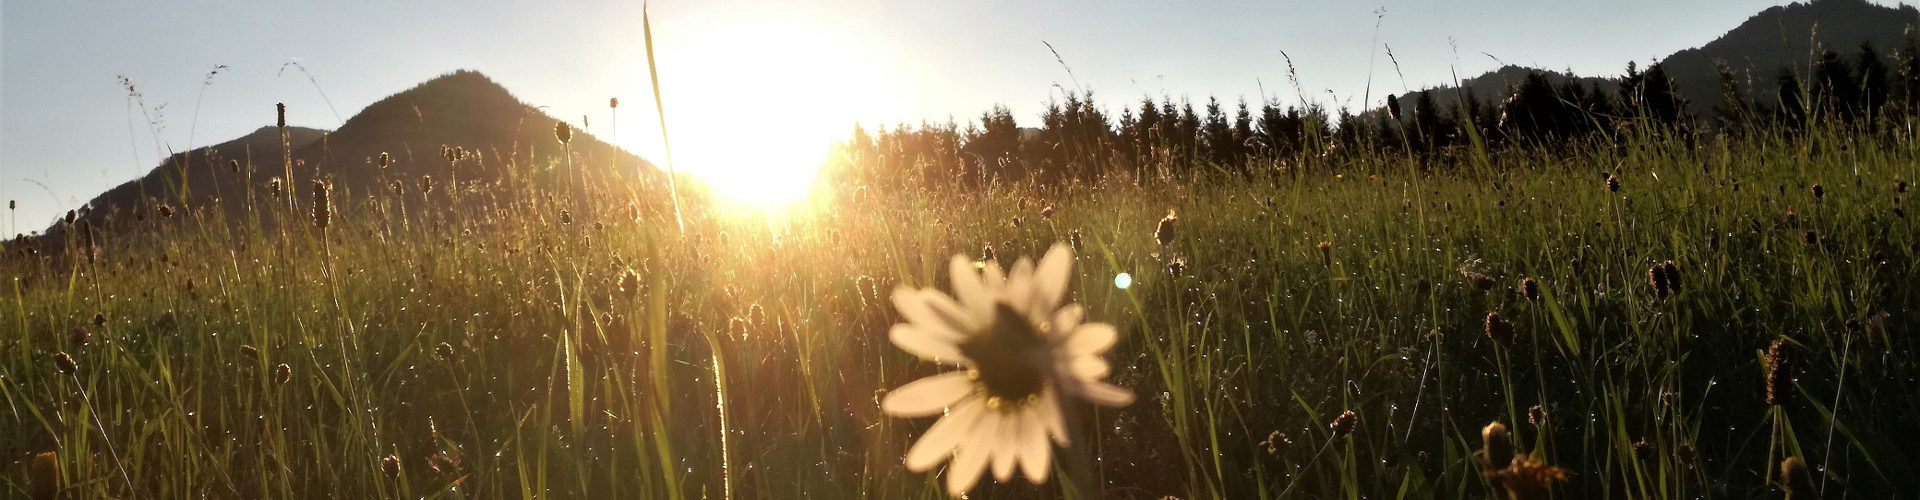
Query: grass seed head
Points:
[1657, 278]
[234, 165]
[322, 205]
[443, 350]
[1073, 238]
[1164, 234]
[1779, 372]
[630, 284]
[249, 353]
[280, 112]
[563, 132]
[1345, 424]
[1177, 267]
[1530, 289]
[1499, 329]
[386, 160]
[1277, 443]
[1537, 415]
[282, 373]
[390, 465]
[1672, 273]
[1643, 450]
[1613, 184]
[65, 363]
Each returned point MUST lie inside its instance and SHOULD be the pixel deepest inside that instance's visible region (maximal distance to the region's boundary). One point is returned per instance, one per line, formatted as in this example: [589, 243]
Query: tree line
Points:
[1077, 139]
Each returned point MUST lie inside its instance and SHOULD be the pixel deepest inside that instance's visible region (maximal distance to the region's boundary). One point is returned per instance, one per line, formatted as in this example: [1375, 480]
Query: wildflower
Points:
[1779, 373]
[390, 465]
[630, 284]
[1277, 442]
[1482, 281]
[1529, 478]
[441, 462]
[1326, 252]
[1020, 349]
[1530, 289]
[563, 132]
[1164, 234]
[1657, 277]
[1344, 424]
[443, 350]
[1613, 183]
[1795, 480]
[65, 363]
[282, 373]
[1687, 455]
[1537, 415]
[1499, 329]
[1643, 449]
[249, 353]
[757, 316]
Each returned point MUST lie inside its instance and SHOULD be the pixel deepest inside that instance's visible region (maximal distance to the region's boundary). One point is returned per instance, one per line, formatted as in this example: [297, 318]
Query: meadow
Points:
[1657, 317]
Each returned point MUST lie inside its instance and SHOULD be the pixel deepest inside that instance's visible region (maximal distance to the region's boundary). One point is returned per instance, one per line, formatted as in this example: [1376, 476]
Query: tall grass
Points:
[557, 382]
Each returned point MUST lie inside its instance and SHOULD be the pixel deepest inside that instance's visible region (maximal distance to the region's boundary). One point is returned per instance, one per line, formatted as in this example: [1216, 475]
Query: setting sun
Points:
[753, 101]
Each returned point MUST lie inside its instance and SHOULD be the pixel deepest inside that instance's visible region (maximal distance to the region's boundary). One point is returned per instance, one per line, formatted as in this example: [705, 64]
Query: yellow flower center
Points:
[1010, 359]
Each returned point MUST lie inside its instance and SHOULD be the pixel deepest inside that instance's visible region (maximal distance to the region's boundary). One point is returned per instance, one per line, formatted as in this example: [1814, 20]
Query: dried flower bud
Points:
[1530, 289]
[78, 335]
[322, 205]
[443, 351]
[390, 465]
[1345, 424]
[1613, 183]
[1499, 329]
[65, 363]
[630, 284]
[1483, 282]
[1164, 234]
[1643, 450]
[563, 132]
[282, 373]
[386, 160]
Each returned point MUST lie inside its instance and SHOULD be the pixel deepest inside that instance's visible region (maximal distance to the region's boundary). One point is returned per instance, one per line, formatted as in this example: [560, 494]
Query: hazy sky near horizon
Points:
[68, 130]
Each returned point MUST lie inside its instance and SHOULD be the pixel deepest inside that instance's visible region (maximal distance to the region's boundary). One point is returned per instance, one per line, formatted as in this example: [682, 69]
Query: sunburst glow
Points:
[754, 100]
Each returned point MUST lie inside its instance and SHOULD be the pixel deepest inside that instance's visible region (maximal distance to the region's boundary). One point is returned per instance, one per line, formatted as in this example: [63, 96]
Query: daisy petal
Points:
[1006, 446]
[967, 287]
[992, 279]
[1020, 287]
[933, 311]
[1050, 279]
[1104, 394]
[1091, 338]
[1035, 455]
[1049, 415]
[928, 346]
[1090, 368]
[971, 459]
[939, 441]
[1066, 320]
[927, 396]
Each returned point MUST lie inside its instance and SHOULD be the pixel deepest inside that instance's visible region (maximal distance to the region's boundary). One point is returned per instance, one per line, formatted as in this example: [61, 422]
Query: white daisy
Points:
[1019, 350]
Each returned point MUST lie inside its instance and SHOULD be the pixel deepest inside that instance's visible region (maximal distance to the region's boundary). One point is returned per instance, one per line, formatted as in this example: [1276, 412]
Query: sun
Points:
[755, 99]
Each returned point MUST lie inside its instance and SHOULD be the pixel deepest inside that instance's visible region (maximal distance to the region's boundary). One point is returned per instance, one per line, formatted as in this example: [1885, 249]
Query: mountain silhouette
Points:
[463, 110]
[1790, 36]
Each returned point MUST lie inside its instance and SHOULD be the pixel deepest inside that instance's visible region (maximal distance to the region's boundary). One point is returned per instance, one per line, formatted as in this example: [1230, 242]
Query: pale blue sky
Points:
[64, 118]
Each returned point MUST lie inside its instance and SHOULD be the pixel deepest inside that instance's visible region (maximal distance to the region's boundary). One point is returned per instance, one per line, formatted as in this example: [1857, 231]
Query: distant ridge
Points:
[463, 109]
[1756, 49]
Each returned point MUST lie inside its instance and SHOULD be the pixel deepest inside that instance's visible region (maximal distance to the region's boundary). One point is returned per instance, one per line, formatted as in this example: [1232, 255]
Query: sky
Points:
[805, 71]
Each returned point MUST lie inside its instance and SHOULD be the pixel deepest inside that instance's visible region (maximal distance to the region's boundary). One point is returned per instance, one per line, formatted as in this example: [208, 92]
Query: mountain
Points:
[463, 109]
[1787, 36]
[1780, 36]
